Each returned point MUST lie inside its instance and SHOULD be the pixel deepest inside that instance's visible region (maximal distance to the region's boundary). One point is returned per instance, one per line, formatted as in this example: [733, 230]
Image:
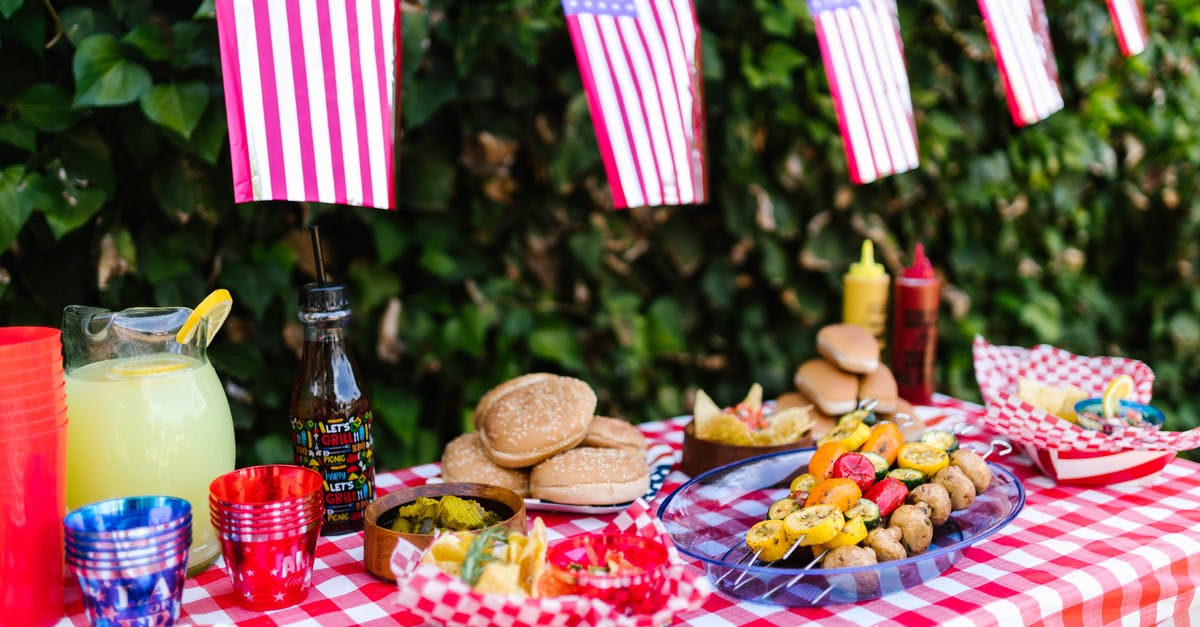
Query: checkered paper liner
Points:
[998, 368]
[439, 598]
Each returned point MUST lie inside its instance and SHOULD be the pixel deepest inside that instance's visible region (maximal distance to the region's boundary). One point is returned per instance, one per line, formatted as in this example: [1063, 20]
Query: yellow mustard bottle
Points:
[865, 294]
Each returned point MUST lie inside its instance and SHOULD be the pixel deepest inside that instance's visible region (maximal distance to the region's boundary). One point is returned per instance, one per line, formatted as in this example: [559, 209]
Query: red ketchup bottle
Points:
[914, 329]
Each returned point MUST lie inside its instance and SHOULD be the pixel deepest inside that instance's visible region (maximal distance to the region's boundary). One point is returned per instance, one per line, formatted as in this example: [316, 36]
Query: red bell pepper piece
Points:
[857, 468]
[888, 495]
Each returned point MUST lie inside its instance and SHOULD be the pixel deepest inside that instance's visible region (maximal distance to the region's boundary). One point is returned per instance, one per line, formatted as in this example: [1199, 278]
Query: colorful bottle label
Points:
[341, 450]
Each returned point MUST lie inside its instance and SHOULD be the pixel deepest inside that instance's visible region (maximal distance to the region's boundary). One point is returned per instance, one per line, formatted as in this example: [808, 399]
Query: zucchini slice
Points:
[866, 511]
[910, 477]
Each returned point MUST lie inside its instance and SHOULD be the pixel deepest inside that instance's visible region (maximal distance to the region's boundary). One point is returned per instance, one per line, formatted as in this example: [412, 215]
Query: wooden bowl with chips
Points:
[716, 436]
[380, 540]
[700, 456]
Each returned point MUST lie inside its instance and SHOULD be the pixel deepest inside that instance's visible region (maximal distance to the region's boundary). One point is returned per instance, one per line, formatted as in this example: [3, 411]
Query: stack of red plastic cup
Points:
[268, 519]
[33, 472]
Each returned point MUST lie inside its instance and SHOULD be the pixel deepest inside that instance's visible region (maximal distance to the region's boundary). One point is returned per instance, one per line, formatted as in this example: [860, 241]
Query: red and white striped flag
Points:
[640, 65]
[1130, 23]
[311, 99]
[1020, 37]
[864, 62]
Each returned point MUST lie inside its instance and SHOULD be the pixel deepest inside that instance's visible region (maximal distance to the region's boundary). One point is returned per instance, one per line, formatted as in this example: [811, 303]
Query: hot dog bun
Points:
[881, 386]
[850, 346]
[834, 391]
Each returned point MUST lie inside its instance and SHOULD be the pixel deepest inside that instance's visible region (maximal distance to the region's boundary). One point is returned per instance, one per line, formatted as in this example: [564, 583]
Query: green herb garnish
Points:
[480, 553]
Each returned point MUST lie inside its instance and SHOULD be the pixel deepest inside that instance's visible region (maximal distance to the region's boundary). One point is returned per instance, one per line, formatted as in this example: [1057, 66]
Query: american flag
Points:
[1020, 37]
[310, 97]
[1130, 24]
[640, 65]
[864, 62]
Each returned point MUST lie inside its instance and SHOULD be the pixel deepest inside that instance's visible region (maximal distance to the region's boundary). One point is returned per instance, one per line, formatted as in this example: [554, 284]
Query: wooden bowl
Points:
[380, 540]
[700, 456]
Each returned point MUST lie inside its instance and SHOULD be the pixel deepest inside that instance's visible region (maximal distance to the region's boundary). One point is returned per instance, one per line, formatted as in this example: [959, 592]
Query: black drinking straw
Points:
[317, 260]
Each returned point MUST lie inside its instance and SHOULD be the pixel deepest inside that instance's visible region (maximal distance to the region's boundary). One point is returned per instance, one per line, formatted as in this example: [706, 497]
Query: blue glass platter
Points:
[708, 516]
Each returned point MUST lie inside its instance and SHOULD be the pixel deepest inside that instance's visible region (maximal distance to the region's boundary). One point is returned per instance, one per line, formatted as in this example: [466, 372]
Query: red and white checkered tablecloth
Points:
[1119, 555]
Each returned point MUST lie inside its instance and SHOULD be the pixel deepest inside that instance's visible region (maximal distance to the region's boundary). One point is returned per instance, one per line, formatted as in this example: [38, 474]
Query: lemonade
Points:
[149, 425]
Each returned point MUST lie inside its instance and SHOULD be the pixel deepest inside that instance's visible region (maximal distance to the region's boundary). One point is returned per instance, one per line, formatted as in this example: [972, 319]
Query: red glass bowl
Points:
[579, 565]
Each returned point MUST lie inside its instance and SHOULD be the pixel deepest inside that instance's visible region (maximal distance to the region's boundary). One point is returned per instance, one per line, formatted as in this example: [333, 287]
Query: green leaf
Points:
[208, 138]
[104, 77]
[176, 106]
[48, 107]
[150, 39]
[77, 209]
[14, 204]
[427, 182]
[26, 26]
[193, 44]
[557, 343]
[19, 133]
[87, 160]
[8, 7]
[79, 23]
[207, 9]
[427, 92]
[273, 448]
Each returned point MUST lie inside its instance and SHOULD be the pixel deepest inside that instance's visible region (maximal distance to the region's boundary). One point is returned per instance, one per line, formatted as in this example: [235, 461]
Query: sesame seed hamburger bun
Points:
[591, 476]
[526, 424]
[606, 432]
[465, 461]
[489, 399]
[850, 346]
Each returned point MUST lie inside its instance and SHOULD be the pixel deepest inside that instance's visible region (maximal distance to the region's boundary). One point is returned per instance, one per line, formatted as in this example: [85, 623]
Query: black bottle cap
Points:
[316, 297]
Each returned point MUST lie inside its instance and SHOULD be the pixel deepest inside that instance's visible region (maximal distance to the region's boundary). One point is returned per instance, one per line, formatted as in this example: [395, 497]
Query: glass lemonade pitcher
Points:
[147, 414]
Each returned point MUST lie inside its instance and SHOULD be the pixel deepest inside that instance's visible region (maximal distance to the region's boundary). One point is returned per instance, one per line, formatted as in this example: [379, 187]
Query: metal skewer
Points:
[798, 576]
[738, 582]
[739, 563]
[962, 428]
[1000, 447]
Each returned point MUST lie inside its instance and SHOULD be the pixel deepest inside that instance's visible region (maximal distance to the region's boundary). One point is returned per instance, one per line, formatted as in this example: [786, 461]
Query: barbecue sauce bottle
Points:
[331, 411]
[914, 329]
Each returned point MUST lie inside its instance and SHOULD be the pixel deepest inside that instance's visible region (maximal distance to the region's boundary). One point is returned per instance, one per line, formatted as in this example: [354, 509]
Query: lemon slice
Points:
[214, 308]
[1116, 390]
[145, 368]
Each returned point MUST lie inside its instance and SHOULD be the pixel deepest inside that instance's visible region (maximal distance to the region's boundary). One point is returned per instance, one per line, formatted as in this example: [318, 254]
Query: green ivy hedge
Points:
[1080, 231]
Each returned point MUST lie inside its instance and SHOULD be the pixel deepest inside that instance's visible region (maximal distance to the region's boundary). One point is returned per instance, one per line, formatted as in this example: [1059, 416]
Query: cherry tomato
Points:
[857, 468]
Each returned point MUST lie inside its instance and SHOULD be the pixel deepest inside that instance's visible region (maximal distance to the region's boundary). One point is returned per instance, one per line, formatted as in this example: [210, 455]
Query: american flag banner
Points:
[310, 96]
[640, 65]
[1020, 37]
[1130, 23]
[864, 62]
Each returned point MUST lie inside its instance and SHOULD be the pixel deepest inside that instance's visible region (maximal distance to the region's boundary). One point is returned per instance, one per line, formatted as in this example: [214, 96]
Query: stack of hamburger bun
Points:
[538, 436]
[847, 371]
